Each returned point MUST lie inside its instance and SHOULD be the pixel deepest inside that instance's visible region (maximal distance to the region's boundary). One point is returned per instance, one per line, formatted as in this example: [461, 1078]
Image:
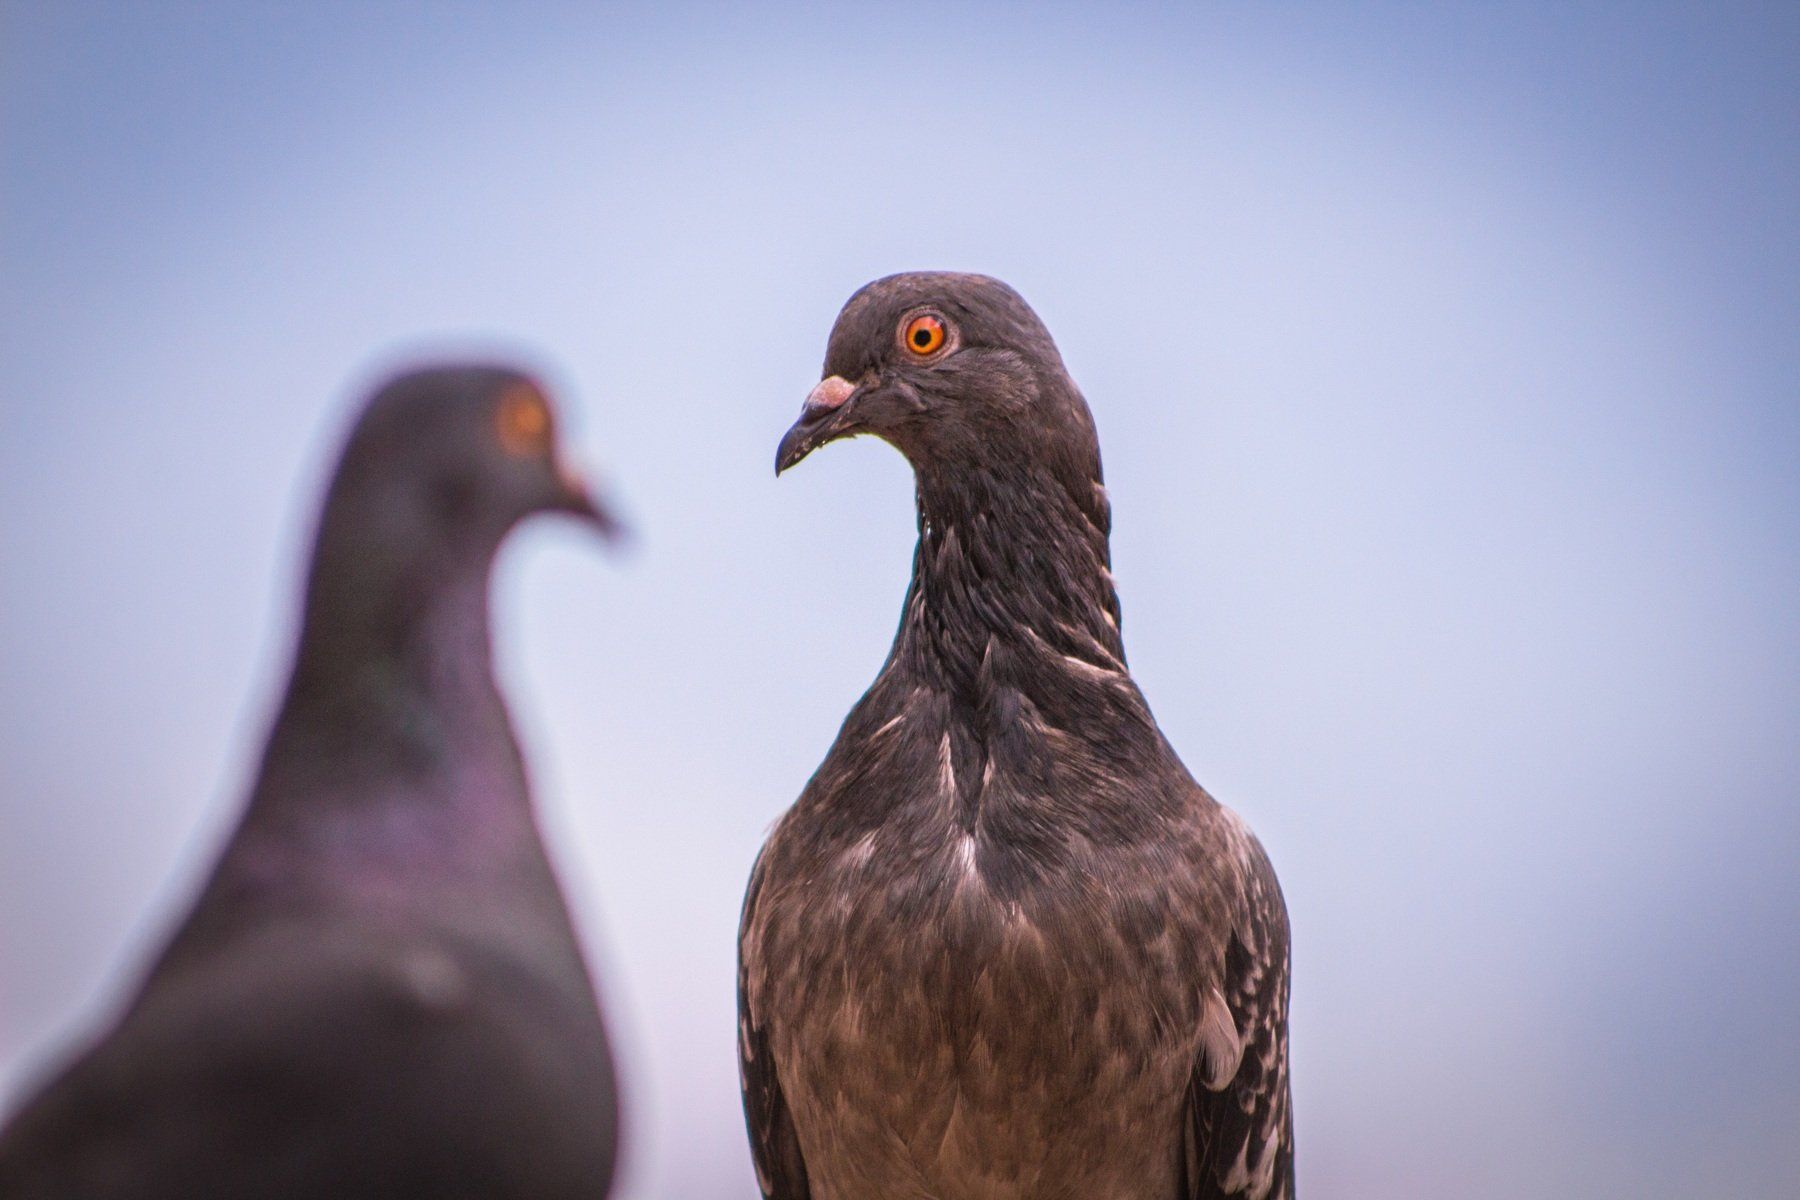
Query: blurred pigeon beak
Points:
[816, 425]
[576, 497]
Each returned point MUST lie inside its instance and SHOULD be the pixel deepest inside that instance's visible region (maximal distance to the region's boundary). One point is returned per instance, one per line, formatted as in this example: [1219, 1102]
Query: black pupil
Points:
[922, 336]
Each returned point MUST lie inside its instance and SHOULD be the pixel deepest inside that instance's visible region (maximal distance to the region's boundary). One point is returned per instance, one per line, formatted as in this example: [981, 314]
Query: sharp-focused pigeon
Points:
[1004, 947]
[379, 992]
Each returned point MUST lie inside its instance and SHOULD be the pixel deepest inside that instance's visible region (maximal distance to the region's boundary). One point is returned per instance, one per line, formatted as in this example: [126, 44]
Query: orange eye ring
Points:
[524, 421]
[924, 335]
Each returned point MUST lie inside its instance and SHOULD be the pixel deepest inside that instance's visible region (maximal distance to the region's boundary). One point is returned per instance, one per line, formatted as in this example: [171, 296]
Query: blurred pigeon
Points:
[379, 992]
[1003, 946]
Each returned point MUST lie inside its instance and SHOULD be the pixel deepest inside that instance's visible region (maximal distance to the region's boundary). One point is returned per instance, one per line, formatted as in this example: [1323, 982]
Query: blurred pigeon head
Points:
[454, 457]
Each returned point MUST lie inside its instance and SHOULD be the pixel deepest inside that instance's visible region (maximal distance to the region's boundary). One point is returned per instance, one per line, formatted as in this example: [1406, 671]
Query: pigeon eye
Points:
[924, 334]
[524, 421]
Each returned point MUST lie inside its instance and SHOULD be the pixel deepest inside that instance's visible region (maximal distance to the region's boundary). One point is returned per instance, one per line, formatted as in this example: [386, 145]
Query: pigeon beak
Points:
[816, 425]
[576, 497]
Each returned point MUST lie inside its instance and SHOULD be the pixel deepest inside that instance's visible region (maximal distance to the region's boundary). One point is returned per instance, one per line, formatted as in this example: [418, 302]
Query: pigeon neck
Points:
[1012, 555]
[395, 666]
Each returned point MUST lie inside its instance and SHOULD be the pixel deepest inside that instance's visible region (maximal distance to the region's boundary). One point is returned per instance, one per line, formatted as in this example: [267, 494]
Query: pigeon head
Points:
[958, 374]
[439, 467]
[451, 458]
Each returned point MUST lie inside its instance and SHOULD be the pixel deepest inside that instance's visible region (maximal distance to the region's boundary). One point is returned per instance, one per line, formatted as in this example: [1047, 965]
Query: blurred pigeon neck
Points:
[395, 660]
[1013, 555]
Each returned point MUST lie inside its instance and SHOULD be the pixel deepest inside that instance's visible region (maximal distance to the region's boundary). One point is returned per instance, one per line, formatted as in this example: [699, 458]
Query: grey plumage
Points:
[1003, 947]
[378, 992]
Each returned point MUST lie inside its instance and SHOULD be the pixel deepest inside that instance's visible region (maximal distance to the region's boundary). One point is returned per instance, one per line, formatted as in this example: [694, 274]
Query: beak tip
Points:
[585, 507]
[814, 428]
[609, 529]
[794, 447]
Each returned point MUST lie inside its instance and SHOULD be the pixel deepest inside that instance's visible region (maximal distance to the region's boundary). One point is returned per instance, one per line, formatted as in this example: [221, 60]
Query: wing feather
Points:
[1239, 1135]
[774, 1146]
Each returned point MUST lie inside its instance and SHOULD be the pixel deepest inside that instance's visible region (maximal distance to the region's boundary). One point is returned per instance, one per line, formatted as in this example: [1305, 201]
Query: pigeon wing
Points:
[774, 1146]
[1239, 1127]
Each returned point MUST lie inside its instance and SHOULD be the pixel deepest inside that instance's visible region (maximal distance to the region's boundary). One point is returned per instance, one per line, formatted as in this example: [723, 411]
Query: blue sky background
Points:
[1445, 365]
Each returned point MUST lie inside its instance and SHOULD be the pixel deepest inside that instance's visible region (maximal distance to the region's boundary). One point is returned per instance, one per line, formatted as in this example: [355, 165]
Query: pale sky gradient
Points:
[1445, 364]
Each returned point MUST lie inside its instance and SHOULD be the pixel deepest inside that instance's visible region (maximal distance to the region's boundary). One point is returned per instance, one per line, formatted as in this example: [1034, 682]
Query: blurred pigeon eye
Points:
[924, 334]
[524, 421]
